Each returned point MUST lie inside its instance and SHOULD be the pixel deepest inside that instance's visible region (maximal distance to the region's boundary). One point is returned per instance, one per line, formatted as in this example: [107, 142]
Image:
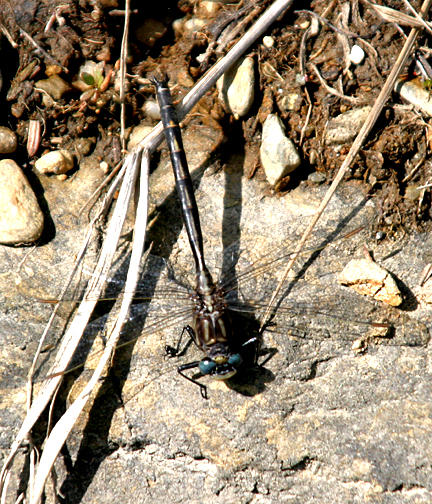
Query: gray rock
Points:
[236, 88]
[344, 127]
[8, 141]
[278, 153]
[317, 177]
[21, 219]
[57, 162]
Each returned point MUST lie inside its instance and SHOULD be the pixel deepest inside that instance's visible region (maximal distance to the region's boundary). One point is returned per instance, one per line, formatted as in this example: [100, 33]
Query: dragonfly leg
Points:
[175, 351]
[191, 365]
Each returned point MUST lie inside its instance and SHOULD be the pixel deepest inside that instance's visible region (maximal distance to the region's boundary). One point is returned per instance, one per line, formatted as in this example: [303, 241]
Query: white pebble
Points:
[194, 24]
[278, 153]
[151, 109]
[21, 219]
[177, 25]
[236, 88]
[103, 165]
[57, 162]
[268, 41]
[415, 94]
[356, 55]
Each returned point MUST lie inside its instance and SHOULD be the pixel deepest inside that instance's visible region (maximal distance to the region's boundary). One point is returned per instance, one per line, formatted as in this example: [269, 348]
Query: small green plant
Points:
[91, 74]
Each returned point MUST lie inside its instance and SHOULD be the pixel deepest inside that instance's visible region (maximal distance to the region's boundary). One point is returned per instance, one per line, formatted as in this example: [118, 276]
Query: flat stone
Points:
[55, 86]
[21, 219]
[368, 278]
[278, 153]
[57, 162]
[137, 134]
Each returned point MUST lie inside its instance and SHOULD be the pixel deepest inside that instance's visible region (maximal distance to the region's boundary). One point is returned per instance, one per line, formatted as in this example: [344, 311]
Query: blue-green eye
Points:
[206, 366]
[235, 360]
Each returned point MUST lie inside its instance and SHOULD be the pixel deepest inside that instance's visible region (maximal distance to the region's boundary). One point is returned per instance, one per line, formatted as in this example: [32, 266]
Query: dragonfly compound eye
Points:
[235, 360]
[206, 366]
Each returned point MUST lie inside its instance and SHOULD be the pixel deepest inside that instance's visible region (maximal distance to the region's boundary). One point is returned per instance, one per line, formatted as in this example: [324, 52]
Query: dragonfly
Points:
[211, 330]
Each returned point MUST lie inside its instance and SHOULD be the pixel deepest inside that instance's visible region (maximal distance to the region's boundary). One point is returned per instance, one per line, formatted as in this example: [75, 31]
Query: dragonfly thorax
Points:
[211, 322]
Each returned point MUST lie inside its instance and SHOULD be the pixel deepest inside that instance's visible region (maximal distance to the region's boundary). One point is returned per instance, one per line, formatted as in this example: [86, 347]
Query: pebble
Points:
[344, 127]
[21, 219]
[268, 41]
[8, 140]
[236, 88]
[416, 94]
[82, 146]
[356, 55]
[57, 162]
[104, 166]
[317, 177]
[412, 192]
[290, 102]
[368, 278]
[137, 134]
[193, 25]
[152, 110]
[208, 8]
[55, 86]
[278, 153]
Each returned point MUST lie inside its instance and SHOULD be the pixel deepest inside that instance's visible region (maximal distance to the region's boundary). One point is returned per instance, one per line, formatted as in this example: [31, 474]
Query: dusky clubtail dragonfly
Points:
[212, 330]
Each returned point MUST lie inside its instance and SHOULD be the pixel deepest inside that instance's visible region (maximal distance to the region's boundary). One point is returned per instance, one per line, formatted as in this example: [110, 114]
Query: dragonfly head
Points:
[221, 366]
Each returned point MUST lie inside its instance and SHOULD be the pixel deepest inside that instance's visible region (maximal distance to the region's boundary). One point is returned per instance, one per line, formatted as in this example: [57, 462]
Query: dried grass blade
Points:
[62, 428]
[80, 320]
[394, 16]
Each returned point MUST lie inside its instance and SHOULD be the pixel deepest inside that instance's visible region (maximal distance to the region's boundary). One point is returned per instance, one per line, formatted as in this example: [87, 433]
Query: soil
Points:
[91, 31]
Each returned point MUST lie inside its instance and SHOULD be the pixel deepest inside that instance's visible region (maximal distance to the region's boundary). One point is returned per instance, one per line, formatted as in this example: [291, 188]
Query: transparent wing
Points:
[313, 307]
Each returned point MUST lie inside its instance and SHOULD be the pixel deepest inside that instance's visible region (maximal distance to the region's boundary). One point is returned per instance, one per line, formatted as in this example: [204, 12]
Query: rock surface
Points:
[315, 422]
[345, 127]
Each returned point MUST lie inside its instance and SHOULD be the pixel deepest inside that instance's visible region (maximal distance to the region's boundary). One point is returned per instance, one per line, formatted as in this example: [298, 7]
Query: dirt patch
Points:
[184, 39]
